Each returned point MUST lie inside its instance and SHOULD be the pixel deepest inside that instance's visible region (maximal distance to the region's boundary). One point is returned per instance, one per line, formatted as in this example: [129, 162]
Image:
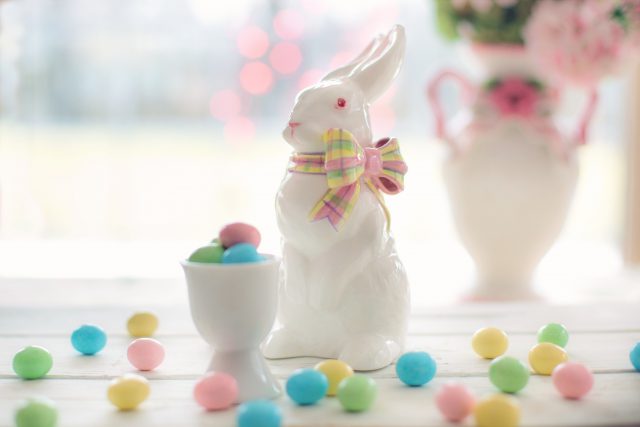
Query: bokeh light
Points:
[240, 129]
[285, 57]
[252, 42]
[225, 105]
[289, 24]
[256, 78]
[310, 77]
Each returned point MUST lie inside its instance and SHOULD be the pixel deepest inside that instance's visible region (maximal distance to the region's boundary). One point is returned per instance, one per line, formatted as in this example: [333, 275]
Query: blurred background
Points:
[130, 132]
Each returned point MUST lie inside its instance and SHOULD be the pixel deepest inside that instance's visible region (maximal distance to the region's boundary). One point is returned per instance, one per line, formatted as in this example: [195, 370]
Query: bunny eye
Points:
[341, 103]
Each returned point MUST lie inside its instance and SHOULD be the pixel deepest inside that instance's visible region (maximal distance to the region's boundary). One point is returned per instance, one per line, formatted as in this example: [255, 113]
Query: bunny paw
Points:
[369, 352]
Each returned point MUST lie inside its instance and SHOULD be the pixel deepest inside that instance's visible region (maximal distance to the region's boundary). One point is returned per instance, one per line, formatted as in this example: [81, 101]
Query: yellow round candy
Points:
[128, 391]
[498, 410]
[142, 324]
[489, 342]
[336, 371]
[544, 357]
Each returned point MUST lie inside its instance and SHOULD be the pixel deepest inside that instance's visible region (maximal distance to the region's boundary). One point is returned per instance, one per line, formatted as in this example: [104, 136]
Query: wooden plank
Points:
[187, 357]
[612, 402]
[632, 211]
[460, 319]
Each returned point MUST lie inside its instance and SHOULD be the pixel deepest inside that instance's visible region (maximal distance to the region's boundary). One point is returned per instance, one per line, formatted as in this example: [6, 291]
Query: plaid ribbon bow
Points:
[346, 164]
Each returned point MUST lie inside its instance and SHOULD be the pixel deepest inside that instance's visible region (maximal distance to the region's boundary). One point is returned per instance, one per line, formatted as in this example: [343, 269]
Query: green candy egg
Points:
[37, 412]
[32, 362]
[508, 374]
[357, 392]
[210, 254]
[555, 333]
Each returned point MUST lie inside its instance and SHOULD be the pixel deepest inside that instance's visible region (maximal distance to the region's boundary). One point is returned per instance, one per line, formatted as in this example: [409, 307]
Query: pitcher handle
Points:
[433, 97]
[587, 115]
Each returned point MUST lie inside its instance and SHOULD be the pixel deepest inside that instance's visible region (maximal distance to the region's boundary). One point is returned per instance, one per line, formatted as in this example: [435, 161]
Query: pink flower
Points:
[576, 40]
[514, 97]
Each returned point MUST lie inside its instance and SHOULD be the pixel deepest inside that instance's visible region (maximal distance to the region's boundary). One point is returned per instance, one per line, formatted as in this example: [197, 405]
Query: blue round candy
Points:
[259, 413]
[241, 253]
[307, 386]
[635, 356]
[416, 368]
[88, 339]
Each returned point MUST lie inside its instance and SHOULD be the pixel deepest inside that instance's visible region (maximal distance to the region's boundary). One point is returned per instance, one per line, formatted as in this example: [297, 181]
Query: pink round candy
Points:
[573, 380]
[216, 391]
[455, 401]
[239, 232]
[145, 354]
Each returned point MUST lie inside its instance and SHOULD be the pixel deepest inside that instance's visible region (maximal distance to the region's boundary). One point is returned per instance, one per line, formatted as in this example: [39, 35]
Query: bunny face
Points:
[328, 104]
[341, 99]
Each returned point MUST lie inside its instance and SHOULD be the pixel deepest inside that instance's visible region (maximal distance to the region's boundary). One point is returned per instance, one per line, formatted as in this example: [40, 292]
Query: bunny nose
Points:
[294, 125]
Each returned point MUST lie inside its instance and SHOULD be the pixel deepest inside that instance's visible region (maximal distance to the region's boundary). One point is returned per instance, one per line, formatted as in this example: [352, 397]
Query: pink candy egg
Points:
[216, 391]
[145, 354]
[573, 380]
[455, 401]
[239, 232]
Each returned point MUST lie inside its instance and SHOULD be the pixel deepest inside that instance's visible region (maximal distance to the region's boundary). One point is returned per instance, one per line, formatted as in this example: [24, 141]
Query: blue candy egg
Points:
[307, 386]
[635, 356]
[241, 253]
[259, 413]
[416, 368]
[88, 339]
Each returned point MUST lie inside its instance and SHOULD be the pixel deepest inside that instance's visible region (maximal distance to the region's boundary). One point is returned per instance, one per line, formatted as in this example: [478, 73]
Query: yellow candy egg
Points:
[128, 391]
[544, 357]
[336, 371]
[142, 324]
[489, 343]
[498, 410]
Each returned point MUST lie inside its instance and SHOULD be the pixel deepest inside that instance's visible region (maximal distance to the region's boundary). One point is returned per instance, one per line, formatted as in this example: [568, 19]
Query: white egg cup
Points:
[233, 307]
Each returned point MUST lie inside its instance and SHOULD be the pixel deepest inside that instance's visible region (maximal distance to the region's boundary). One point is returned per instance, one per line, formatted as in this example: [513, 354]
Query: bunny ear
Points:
[375, 75]
[345, 70]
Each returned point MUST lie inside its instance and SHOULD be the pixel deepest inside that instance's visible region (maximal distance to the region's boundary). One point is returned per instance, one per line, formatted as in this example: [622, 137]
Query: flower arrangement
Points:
[576, 41]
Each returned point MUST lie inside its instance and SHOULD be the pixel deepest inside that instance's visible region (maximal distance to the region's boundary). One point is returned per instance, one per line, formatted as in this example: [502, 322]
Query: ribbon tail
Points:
[336, 205]
[380, 199]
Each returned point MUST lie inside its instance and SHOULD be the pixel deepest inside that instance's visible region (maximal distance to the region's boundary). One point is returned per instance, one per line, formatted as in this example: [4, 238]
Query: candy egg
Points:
[145, 354]
[335, 371]
[32, 362]
[239, 232]
[88, 339]
[241, 253]
[357, 392]
[498, 410]
[455, 401]
[634, 356]
[259, 413]
[572, 380]
[128, 391]
[489, 343]
[37, 412]
[142, 324]
[210, 254]
[415, 368]
[545, 356]
[508, 374]
[307, 386]
[555, 333]
[216, 391]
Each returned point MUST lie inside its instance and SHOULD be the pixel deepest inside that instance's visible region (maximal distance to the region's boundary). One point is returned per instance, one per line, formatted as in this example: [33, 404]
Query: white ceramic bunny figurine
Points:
[343, 291]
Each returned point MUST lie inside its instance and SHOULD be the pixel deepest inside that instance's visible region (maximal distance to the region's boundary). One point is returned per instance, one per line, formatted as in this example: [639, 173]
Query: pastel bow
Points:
[346, 163]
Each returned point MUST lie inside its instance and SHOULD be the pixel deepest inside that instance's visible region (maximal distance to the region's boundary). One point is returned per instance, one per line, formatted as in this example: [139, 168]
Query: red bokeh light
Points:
[310, 77]
[225, 105]
[252, 42]
[256, 78]
[285, 57]
[289, 24]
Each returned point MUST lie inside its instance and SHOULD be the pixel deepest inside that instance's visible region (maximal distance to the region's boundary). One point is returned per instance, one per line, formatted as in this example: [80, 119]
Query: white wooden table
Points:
[45, 313]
